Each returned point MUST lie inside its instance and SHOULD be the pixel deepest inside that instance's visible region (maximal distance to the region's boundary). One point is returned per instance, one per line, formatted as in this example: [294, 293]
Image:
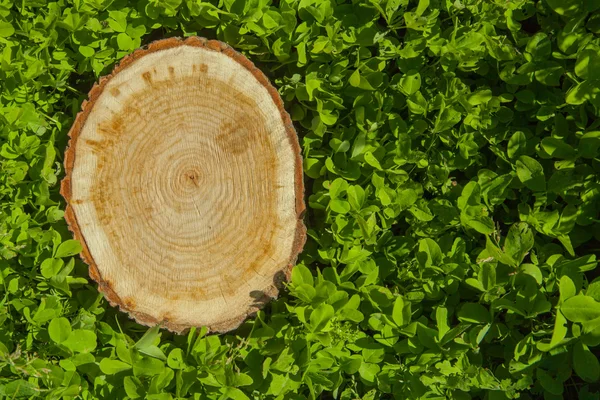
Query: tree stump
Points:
[184, 185]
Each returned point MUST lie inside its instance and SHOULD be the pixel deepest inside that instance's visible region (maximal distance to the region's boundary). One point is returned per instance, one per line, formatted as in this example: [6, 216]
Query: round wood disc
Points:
[184, 185]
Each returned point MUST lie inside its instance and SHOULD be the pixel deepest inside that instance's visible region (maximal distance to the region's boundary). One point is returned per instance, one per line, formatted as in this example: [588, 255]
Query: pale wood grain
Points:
[184, 185]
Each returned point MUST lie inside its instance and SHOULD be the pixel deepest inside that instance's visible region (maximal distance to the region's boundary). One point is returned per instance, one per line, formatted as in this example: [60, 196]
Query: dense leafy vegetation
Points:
[453, 178]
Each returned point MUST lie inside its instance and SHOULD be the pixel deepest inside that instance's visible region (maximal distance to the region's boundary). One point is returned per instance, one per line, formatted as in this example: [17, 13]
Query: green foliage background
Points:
[453, 178]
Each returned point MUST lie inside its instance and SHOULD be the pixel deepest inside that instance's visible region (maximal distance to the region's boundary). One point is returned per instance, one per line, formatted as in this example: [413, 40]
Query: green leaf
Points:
[423, 4]
[368, 371]
[441, 317]
[68, 248]
[474, 313]
[87, 51]
[567, 288]
[588, 63]
[447, 118]
[117, 20]
[581, 264]
[480, 97]
[549, 384]
[176, 359]
[487, 276]
[476, 217]
[539, 46]
[566, 7]
[410, 83]
[557, 148]
[593, 290]
[161, 381]
[549, 73]
[560, 330]
[401, 311]
[589, 144]
[242, 379]
[20, 388]
[592, 330]
[421, 212]
[133, 387]
[339, 206]
[585, 363]
[302, 275]
[580, 308]
[235, 394]
[431, 253]
[51, 267]
[337, 187]
[372, 160]
[531, 173]
[153, 351]
[356, 197]
[125, 42]
[59, 329]
[417, 104]
[320, 317]
[111, 367]
[518, 241]
[517, 145]
[81, 341]
[6, 29]
[351, 364]
[149, 338]
[355, 78]
[147, 366]
[581, 92]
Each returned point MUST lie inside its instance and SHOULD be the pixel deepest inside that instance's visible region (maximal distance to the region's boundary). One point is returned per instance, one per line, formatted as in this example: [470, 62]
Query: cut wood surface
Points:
[184, 185]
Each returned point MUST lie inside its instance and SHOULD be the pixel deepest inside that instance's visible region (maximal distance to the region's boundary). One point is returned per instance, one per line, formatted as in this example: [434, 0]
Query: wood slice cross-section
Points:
[184, 185]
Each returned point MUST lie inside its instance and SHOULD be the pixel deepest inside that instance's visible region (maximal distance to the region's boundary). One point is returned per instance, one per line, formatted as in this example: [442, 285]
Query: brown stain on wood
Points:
[171, 72]
[263, 255]
[112, 128]
[147, 77]
[115, 91]
[192, 178]
[239, 135]
[103, 207]
[97, 146]
[197, 294]
[129, 303]
[230, 283]
[128, 111]
[202, 68]
[117, 124]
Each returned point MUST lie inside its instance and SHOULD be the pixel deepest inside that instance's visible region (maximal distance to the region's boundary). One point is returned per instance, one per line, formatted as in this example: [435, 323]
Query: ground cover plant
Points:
[451, 154]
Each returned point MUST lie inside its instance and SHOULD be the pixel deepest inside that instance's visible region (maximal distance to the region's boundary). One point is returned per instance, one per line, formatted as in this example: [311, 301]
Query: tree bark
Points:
[184, 185]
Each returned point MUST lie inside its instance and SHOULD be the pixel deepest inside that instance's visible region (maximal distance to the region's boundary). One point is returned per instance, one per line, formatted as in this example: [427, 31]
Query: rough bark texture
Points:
[184, 185]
